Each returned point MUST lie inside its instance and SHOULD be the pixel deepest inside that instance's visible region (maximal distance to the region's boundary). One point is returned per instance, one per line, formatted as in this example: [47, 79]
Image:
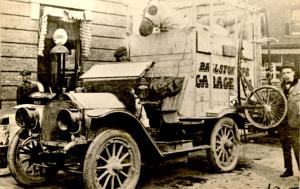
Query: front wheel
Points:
[113, 160]
[24, 161]
[224, 152]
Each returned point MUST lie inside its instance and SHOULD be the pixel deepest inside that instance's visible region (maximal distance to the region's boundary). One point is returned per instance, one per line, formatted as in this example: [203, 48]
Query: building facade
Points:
[284, 29]
[95, 28]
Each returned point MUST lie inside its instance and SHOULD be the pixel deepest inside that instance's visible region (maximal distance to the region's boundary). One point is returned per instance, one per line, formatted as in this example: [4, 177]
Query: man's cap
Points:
[120, 51]
[25, 72]
[287, 65]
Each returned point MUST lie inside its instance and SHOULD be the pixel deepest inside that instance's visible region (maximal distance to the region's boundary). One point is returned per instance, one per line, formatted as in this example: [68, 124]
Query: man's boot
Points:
[288, 172]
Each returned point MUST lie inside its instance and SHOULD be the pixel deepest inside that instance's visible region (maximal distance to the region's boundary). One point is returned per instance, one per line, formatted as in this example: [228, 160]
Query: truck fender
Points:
[240, 123]
[232, 112]
[124, 120]
[24, 106]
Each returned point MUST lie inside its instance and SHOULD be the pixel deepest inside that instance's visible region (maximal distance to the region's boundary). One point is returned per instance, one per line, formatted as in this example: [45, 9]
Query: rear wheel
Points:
[24, 161]
[224, 152]
[113, 160]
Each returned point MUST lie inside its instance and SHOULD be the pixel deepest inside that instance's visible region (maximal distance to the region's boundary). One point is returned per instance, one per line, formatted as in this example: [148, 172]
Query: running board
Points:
[182, 151]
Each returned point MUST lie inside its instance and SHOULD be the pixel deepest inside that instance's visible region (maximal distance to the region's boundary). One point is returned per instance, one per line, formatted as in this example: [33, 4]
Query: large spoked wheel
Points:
[224, 152]
[24, 161]
[113, 160]
[266, 107]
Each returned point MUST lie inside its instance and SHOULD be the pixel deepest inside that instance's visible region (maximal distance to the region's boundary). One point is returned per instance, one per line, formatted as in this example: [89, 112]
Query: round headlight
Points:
[27, 117]
[69, 120]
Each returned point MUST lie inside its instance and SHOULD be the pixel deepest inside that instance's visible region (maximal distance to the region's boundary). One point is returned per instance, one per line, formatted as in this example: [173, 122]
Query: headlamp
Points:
[27, 117]
[69, 120]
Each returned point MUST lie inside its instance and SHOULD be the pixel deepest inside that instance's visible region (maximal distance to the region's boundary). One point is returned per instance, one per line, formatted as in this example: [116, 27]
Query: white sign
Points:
[60, 36]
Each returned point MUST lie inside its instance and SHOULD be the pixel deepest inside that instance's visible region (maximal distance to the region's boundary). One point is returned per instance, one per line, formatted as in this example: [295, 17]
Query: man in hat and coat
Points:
[121, 54]
[27, 88]
[289, 129]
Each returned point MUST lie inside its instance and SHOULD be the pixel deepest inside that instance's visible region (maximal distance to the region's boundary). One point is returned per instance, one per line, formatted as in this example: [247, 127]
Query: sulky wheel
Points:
[113, 160]
[266, 107]
[24, 161]
[224, 141]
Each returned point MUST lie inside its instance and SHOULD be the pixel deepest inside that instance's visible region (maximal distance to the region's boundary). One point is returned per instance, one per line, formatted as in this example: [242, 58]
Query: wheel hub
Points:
[114, 165]
[268, 107]
[228, 144]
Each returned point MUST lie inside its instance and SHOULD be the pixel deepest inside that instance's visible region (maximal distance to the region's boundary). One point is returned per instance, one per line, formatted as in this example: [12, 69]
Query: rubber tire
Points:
[212, 154]
[98, 144]
[16, 172]
[284, 108]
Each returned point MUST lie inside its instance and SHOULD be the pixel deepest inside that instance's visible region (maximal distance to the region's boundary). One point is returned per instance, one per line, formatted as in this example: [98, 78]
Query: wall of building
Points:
[19, 39]
[287, 49]
[20, 34]
[109, 21]
[279, 16]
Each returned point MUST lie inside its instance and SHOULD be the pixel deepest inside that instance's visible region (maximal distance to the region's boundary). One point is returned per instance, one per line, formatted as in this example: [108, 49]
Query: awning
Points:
[124, 70]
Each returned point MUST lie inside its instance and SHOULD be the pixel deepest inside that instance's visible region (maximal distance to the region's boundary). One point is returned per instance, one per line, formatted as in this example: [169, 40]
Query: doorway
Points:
[47, 64]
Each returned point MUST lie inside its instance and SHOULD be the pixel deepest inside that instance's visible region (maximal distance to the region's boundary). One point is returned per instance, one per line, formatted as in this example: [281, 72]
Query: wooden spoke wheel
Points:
[25, 162]
[224, 152]
[113, 160]
[266, 107]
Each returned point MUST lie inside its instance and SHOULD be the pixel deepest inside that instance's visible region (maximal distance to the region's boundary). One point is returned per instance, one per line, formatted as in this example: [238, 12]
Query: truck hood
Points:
[120, 70]
[96, 100]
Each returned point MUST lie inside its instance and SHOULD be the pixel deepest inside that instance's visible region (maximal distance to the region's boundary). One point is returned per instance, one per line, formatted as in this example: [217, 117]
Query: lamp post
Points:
[60, 37]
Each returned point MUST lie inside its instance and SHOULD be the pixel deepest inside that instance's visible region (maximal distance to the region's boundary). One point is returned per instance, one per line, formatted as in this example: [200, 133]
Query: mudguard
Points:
[122, 119]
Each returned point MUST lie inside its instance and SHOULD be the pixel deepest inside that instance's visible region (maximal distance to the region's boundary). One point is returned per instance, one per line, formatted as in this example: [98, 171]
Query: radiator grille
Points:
[50, 130]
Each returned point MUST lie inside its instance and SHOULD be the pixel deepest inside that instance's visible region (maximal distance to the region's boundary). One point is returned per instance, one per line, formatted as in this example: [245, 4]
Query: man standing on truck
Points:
[27, 88]
[289, 130]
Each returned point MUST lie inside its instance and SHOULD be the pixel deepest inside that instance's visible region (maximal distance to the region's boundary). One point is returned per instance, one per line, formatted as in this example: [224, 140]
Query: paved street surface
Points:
[259, 168]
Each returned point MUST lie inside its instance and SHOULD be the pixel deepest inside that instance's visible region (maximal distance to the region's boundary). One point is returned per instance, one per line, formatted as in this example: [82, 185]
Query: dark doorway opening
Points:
[47, 64]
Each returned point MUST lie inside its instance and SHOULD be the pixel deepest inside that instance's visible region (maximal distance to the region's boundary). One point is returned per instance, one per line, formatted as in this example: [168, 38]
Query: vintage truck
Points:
[197, 88]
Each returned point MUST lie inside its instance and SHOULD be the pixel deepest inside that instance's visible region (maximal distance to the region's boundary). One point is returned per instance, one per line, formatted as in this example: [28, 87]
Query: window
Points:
[292, 26]
[275, 58]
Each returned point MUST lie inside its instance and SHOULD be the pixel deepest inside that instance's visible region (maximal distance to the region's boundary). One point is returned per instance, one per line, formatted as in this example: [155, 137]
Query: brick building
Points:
[95, 29]
[284, 25]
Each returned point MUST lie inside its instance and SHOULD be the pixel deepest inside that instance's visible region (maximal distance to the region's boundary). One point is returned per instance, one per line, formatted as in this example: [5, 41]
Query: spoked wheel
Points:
[266, 107]
[113, 160]
[224, 152]
[24, 161]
